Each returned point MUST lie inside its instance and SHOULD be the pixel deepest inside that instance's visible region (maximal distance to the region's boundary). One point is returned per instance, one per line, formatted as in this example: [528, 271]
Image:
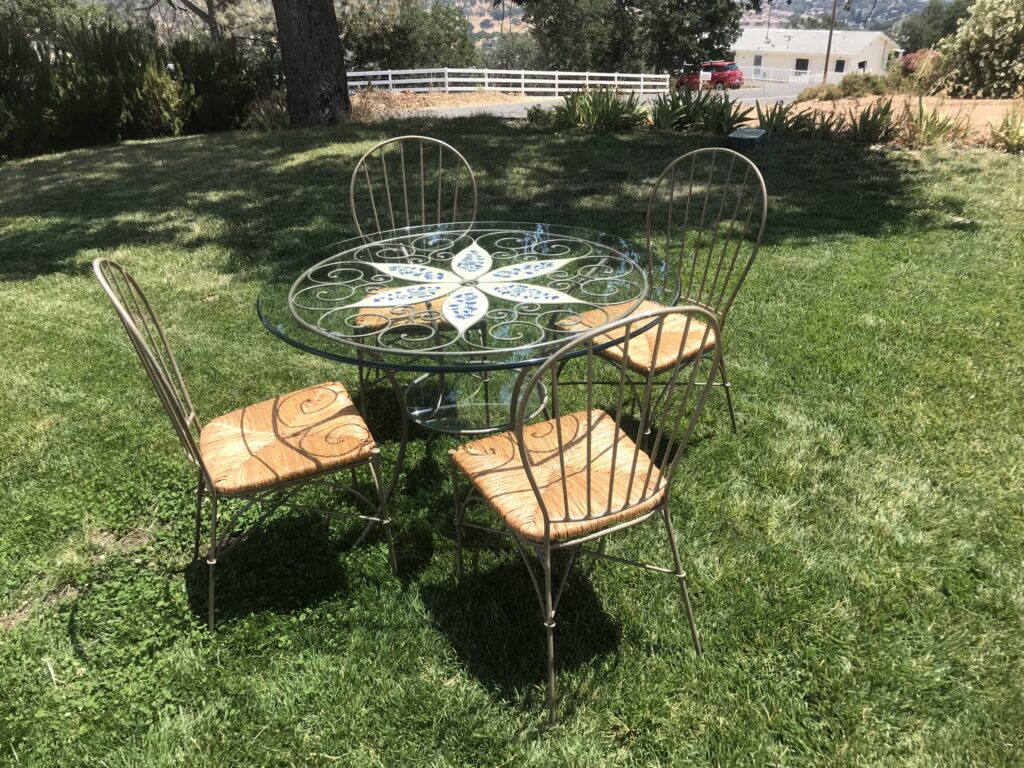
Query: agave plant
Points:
[875, 123]
[723, 116]
[776, 119]
[601, 109]
[665, 111]
[817, 125]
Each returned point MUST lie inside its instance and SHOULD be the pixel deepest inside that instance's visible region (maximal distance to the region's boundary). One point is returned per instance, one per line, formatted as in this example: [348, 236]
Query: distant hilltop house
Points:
[797, 54]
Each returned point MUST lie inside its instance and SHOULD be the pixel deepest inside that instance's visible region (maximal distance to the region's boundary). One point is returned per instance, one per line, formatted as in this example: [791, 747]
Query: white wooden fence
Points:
[775, 75]
[526, 81]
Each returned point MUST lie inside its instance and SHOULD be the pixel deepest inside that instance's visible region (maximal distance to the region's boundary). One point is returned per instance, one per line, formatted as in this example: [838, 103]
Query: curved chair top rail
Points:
[147, 337]
[706, 216]
[615, 447]
[411, 181]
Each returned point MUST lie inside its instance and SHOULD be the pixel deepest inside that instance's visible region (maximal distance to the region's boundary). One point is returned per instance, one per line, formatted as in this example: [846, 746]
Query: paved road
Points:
[770, 92]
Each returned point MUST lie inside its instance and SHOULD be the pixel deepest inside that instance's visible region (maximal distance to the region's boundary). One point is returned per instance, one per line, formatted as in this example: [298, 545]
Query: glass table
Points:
[450, 314]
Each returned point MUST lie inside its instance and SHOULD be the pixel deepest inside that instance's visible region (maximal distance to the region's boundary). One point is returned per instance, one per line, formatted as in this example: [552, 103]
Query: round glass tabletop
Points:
[457, 297]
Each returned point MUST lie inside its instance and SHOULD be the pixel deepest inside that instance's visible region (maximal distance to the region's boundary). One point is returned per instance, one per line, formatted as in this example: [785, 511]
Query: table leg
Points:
[403, 441]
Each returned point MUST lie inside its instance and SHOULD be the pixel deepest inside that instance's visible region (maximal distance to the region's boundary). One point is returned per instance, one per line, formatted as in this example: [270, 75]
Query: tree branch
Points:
[195, 9]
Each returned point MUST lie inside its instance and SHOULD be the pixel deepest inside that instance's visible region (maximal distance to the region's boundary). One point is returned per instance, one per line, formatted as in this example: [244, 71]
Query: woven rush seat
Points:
[641, 357]
[290, 437]
[494, 466]
[425, 314]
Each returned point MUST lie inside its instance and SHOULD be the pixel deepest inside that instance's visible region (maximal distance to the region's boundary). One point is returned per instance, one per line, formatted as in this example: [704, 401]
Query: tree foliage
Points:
[631, 34]
[984, 57]
[401, 34]
[513, 50]
[936, 20]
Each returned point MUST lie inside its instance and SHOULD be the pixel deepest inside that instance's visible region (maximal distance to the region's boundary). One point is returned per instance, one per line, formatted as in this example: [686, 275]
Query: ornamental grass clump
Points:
[923, 128]
[1009, 134]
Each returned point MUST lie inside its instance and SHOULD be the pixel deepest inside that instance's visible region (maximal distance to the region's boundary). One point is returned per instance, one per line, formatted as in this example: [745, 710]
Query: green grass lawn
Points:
[855, 552]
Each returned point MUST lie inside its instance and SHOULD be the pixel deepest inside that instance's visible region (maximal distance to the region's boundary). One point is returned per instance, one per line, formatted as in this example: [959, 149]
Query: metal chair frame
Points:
[150, 343]
[394, 218]
[395, 205]
[683, 391]
[727, 270]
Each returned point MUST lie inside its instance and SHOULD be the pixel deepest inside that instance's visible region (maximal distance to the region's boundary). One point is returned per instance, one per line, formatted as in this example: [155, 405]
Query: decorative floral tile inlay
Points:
[464, 288]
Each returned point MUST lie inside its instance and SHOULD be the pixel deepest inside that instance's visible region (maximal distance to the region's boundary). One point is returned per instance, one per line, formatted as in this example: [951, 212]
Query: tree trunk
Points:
[315, 82]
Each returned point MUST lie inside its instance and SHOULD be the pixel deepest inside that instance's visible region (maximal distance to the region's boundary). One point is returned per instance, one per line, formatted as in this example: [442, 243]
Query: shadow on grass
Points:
[493, 621]
[288, 563]
[264, 199]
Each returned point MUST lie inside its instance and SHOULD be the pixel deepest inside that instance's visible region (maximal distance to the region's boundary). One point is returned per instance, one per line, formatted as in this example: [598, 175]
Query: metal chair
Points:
[420, 180]
[409, 181]
[705, 217]
[603, 464]
[260, 455]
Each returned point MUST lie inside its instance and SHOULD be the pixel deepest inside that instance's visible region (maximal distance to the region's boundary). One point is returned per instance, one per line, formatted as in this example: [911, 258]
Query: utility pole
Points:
[828, 48]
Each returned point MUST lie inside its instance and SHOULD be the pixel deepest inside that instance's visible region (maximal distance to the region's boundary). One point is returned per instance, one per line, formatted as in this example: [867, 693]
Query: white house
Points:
[798, 54]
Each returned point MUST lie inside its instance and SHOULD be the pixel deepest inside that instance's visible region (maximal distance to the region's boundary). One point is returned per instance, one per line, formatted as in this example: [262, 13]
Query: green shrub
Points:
[922, 128]
[601, 109]
[874, 123]
[92, 83]
[984, 57]
[268, 114]
[822, 92]
[219, 82]
[83, 82]
[1009, 134]
[538, 115]
[856, 85]
[25, 91]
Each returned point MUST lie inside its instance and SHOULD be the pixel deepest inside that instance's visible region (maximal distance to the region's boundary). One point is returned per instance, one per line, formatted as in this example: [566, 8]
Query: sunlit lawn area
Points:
[855, 552]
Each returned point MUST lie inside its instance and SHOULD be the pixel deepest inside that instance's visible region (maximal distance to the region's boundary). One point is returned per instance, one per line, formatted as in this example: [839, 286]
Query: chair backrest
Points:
[411, 181]
[140, 321]
[705, 221]
[579, 465]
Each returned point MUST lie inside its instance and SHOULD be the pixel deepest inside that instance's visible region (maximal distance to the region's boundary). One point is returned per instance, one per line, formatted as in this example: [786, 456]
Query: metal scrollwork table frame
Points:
[456, 309]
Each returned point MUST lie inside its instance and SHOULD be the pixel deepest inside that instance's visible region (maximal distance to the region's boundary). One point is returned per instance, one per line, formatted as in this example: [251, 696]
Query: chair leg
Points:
[211, 565]
[728, 393]
[454, 470]
[549, 626]
[681, 578]
[385, 514]
[200, 494]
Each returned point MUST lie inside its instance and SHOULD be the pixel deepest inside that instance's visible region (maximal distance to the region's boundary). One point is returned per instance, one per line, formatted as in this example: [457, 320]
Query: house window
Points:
[862, 65]
[840, 65]
[757, 60]
[802, 65]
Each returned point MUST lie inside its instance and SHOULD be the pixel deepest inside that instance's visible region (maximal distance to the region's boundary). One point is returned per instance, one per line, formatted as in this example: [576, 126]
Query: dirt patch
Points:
[978, 113]
[376, 105]
[22, 613]
[135, 538]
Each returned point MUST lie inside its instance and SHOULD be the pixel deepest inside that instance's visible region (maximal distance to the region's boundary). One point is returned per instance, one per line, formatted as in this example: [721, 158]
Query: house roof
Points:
[810, 41]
